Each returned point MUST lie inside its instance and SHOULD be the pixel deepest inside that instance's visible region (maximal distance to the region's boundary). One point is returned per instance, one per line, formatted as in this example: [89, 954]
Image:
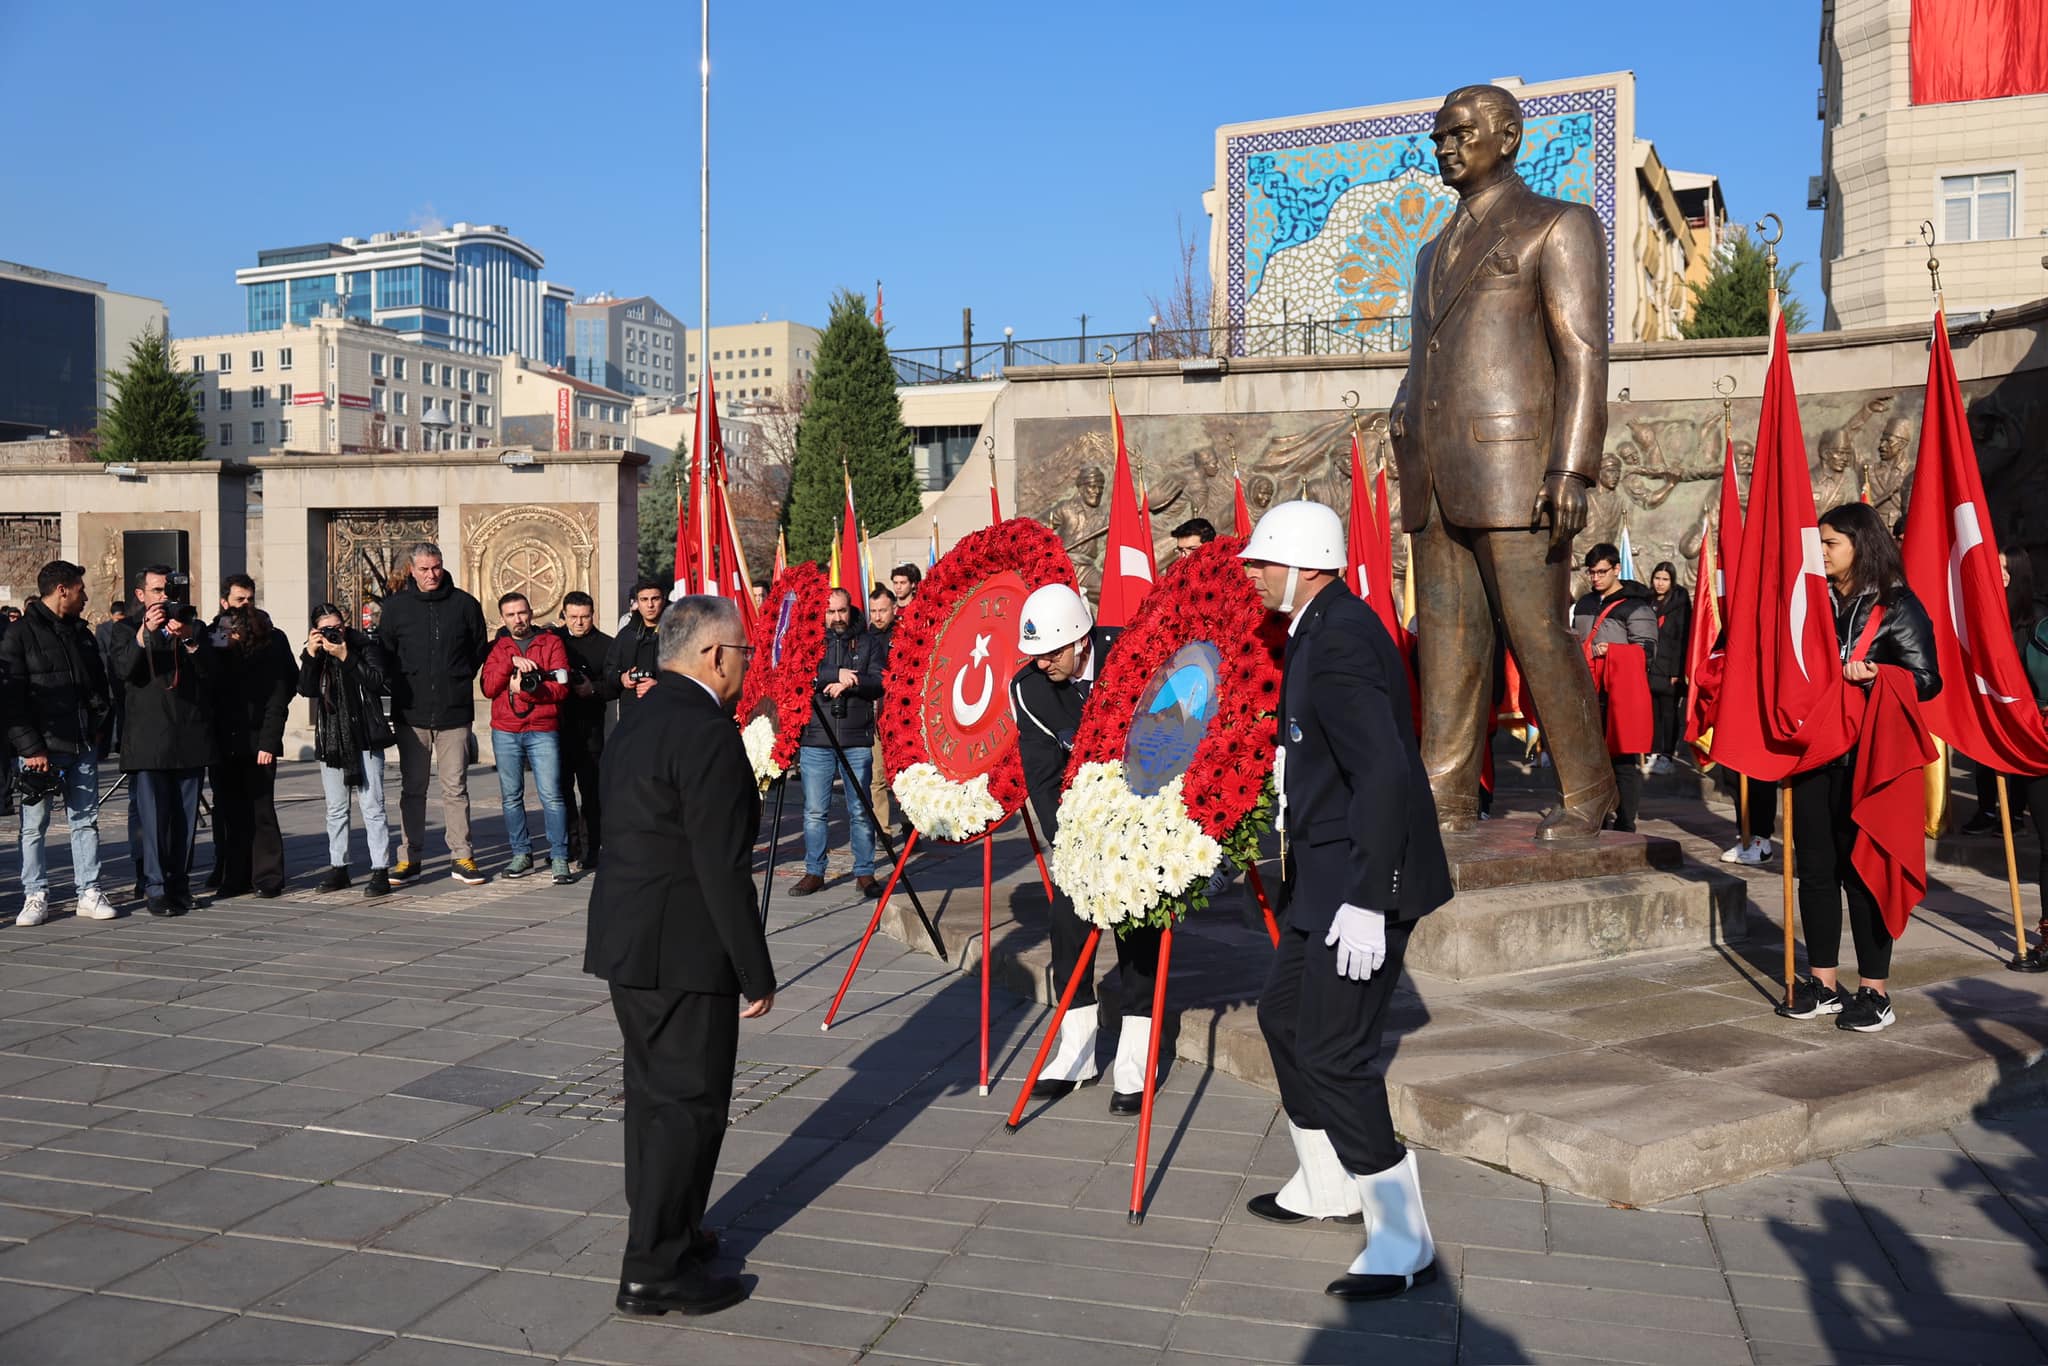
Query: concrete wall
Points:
[205, 499]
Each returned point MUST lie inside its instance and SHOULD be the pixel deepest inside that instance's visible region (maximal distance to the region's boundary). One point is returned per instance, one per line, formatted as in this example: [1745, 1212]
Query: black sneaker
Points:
[379, 885]
[1867, 1012]
[1811, 999]
[335, 881]
[1985, 822]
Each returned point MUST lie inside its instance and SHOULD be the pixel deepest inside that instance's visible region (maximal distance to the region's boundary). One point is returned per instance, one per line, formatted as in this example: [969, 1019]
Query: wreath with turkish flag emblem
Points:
[789, 641]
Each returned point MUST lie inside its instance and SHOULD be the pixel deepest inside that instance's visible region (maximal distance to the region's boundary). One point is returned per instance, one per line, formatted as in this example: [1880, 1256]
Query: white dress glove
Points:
[1361, 939]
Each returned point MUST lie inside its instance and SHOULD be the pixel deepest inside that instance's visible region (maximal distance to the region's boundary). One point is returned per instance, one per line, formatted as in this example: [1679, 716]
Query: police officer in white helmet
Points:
[1361, 862]
[1047, 696]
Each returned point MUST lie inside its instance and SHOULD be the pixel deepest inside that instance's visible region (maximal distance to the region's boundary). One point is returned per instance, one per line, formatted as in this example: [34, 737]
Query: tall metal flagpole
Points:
[699, 463]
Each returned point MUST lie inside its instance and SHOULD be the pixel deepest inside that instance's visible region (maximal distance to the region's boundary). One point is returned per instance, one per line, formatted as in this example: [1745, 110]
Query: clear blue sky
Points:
[1027, 160]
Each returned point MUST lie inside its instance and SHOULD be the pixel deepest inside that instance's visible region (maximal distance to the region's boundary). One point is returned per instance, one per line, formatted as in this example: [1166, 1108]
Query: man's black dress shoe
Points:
[694, 1292]
[160, 906]
[1269, 1208]
[1379, 1287]
[1126, 1102]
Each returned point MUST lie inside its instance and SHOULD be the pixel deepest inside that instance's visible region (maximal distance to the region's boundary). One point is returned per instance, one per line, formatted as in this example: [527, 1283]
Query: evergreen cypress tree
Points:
[851, 414]
[658, 504]
[153, 416]
[1735, 299]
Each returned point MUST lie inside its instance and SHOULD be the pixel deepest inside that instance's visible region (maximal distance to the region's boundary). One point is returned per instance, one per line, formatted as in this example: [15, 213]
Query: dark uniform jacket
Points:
[1047, 715]
[436, 642]
[856, 650]
[673, 907]
[635, 647]
[1361, 825]
[53, 688]
[582, 718]
[168, 718]
[1507, 376]
[252, 695]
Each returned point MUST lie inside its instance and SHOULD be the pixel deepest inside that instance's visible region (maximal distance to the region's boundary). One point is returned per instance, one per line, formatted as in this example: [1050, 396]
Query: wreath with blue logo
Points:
[789, 641]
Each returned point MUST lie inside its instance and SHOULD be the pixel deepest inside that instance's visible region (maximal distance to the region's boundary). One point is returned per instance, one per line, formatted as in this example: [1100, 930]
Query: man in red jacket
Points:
[526, 676]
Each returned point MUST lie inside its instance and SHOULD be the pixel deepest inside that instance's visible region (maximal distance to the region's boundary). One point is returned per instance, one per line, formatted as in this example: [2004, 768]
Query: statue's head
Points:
[1837, 452]
[1089, 480]
[1745, 457]
[1898, 435]
[1207, 463]
[1260, 490]
[1610, 470]
[1477, 134]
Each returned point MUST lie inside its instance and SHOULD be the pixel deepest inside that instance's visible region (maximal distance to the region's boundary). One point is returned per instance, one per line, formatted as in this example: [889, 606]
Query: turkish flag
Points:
[1383, 566]
[846, 557]
[1986, 708]
[1127, 566]
[691, 523]
[1702, 664]
[1241, 512]
[1728, 546]
[1783, 660]
[1359, 526]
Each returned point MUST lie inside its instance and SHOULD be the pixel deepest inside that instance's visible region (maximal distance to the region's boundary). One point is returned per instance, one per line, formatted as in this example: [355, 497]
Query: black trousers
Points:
[1324, 1032]
[247, 843]
[680, 1050]
[167, 820]
[580, 758]
[1824, 835]
[1667, 711]
[2035, 793]
[1137, 953]
[1763, 801]
[1628, 784]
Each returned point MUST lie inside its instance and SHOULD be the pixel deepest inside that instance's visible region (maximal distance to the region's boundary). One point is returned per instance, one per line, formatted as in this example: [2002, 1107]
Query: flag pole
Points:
[703, 277]
[1785, 850]
[1742, 829]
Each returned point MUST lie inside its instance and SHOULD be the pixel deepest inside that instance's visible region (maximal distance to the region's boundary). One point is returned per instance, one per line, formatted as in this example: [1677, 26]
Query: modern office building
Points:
[752, 362]
[473, 288]
[552, 410]
[59, 337]
[632, 346]
[1932, 117]
[339, 386]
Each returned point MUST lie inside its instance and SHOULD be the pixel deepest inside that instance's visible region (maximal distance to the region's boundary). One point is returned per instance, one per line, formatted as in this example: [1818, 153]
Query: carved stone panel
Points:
[541, 550]
[368, 552]
[28, 541]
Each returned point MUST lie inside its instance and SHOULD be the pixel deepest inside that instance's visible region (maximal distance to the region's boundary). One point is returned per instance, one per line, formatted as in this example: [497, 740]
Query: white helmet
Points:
[1301, 535]
[1055, 616]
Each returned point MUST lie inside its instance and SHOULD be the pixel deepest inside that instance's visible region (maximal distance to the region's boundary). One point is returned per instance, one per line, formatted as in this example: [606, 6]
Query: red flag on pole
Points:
[1985, 708]
[691, 524]
[1728, 550]
[1702, 663]
[878, 305]
[995, 498]
[1240, 510]
[846, 558]
[1384, 602]
[1359, 528]
[1127, 565]
[1783, 661]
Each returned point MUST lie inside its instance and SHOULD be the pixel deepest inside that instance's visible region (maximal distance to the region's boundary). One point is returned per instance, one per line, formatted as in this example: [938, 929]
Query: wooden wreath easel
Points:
[1084, 965]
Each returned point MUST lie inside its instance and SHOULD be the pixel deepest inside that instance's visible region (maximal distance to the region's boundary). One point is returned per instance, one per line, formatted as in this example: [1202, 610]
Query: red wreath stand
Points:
[946, 701]
[1204, 597]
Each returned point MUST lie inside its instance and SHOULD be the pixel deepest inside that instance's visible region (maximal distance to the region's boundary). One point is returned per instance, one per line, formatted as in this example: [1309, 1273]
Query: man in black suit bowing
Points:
[1361, 863]
[674, 930]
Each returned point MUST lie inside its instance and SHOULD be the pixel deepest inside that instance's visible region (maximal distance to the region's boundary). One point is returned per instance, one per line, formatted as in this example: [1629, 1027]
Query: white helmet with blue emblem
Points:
[1055, 616]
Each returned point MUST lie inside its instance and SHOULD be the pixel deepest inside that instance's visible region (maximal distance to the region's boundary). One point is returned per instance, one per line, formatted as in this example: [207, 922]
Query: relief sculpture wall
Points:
[541, 550]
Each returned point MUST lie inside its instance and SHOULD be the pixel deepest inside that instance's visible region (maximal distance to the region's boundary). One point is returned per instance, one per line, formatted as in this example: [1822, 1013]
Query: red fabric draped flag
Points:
[708, 556]
[1977, 49]
[1358, 527]
[1241, 511]
[1728, 538]
[1622, 678]
[1888, 802]
[690, 520]
[846, 556]
[1702, 661]
[1384, 602]
[1986, 707]
[1783, 661]
[1128, 569]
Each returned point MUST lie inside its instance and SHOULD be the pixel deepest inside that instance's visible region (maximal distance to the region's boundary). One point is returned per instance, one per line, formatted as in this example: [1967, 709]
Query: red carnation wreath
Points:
[949, 743]
[788, 640]
[1172, 767]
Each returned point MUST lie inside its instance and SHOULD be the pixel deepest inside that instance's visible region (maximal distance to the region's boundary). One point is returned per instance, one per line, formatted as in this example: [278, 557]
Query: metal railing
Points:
[960, 364]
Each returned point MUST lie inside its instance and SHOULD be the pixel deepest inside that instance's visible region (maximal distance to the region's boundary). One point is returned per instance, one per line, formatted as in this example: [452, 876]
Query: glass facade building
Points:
[49, 355]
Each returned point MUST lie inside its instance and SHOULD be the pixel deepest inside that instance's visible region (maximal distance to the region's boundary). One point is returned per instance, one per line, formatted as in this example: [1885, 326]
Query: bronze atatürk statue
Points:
[1497, 431]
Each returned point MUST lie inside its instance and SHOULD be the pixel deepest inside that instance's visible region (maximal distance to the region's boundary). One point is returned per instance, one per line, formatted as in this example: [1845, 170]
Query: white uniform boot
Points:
[1399, 1253]
[1319, 1189]
[1073, 1058]
[1133, 1044]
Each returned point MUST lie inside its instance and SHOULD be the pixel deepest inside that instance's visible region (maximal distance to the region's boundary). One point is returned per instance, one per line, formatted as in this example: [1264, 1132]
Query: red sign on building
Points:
[562, 441]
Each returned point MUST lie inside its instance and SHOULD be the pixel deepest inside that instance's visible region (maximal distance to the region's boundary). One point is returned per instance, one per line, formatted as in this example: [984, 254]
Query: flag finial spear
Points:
[1770, 241]
[1933, 262]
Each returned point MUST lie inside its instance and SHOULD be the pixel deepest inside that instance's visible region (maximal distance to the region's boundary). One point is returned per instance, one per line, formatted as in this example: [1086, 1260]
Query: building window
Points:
[199, 365]
[199, 401]
[225, 363]
[227, 433]
[256, 433]
[284, 395]
[377, 364]
[465, 381]
[1977, 208]
[227, 400]
[483, 414]
[398, 367]
[483, 381]
[465, 414]
[259, 396]
[399, 437]
[284, 358]
[463, 443]
[447, 377]
[767, 351]
[376, 400]
[332, 426]
[255, 360]
[284, 433]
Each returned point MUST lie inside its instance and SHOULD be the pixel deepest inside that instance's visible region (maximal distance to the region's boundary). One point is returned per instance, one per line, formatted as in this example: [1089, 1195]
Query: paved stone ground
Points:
[319, 1130]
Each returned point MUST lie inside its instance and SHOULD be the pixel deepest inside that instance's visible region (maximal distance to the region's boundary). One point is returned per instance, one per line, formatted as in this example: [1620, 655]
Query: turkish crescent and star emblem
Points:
[963, 704]
[970, 713]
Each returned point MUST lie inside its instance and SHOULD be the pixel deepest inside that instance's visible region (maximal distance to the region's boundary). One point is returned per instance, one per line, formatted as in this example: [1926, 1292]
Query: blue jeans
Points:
[820, 766]
[167, 810]
[80, 773]
[540, 750]
[370, 798]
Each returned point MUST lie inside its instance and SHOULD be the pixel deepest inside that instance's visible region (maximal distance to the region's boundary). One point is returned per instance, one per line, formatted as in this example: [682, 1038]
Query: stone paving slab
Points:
[261, 1166]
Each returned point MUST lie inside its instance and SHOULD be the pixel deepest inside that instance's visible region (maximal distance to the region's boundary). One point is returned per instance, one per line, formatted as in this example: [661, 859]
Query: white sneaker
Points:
[93, 905]
[1661, 764]
[1758, 850]
[35, 909]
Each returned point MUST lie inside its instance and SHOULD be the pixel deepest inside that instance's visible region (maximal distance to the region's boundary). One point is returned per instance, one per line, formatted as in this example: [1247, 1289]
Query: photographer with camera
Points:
[631, 666]
[342, 673]
[526, 676]
[166, 668]
[582, 725]
[54, 696]
[882, 611]
[433, 634]
[850, 682]
[252, 695]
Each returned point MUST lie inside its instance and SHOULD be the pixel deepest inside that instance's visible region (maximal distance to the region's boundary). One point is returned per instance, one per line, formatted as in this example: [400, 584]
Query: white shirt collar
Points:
[708, 688]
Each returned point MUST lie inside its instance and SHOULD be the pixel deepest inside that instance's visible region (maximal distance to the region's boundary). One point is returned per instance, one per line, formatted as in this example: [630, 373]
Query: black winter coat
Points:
[1674, 633]
[1905, 636]
[582, 718]
[168, 687]
[252, 696]
[635, 647]
[1047, 714]
[856, 650]
[674, 907]
[436, 642]
[53, 687]
[364, 674]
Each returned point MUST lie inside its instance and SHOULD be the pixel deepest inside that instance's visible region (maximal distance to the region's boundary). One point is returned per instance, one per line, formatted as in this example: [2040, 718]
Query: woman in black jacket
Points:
[1867, 586]
[1667, 667]
[343, 673]
[252, 693]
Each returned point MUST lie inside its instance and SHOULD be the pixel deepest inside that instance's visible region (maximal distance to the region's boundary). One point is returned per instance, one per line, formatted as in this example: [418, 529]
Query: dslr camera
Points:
[528, 680]
[331, 634]
[642, 675]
